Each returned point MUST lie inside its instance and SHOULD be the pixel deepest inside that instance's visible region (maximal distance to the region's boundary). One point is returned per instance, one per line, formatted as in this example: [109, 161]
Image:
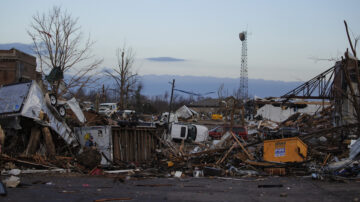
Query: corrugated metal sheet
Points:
[12, 97]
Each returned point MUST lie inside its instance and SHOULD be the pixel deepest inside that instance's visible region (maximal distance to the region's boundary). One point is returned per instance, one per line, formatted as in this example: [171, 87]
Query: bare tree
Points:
[125, 78]
[59, 43]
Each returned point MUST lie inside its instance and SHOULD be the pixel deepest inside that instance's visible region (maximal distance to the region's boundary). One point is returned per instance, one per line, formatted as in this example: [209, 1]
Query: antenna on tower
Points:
[244, 70]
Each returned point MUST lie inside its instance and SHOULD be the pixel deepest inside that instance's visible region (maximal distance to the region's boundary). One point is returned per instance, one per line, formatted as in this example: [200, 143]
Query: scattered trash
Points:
[178, 174]
[12, 181]
[14, 172]
[49, 183]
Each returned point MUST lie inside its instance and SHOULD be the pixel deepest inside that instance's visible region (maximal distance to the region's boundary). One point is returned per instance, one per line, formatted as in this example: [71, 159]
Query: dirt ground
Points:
[85, 188]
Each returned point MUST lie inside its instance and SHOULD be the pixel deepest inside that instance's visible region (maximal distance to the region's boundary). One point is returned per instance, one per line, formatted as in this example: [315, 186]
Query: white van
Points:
[189, 132]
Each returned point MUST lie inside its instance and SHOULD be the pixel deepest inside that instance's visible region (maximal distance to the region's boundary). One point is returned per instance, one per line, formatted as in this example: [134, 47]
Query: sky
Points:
[200, 38]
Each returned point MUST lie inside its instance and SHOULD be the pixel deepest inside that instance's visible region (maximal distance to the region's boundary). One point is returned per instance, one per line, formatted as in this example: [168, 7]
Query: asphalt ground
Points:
[85, 188]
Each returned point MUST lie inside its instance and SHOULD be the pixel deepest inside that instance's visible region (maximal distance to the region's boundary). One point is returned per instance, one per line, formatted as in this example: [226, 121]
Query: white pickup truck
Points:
[107, 108]
[189, 132]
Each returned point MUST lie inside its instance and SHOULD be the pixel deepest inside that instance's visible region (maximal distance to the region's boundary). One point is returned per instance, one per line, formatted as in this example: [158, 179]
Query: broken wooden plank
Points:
[49, 143]
[5, 157]
[242, 147]
[34, 141]
[227, 153]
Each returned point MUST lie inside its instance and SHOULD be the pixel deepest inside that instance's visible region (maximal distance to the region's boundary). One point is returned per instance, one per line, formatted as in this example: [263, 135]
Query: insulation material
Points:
[74, 106]
[354, 149]
[185, 112]
[278, 114]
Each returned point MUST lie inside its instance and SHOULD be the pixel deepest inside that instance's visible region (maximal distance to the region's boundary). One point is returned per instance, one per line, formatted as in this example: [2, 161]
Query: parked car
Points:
[107, 108]
[189, 132]
[219, 131]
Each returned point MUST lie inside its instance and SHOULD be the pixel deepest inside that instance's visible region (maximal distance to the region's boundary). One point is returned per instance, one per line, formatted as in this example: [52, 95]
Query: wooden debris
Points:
[50, 147]
[242, 147]
[227, 153]
[34, 141]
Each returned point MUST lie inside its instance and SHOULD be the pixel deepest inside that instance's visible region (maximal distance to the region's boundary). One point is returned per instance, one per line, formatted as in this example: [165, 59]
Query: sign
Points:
[280, 149]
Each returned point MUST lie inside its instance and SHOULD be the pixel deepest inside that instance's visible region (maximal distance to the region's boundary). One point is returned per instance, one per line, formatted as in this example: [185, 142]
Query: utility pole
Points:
[171, 98]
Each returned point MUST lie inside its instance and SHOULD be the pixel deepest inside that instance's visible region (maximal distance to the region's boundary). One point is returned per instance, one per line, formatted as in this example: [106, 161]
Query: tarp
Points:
[185, 112]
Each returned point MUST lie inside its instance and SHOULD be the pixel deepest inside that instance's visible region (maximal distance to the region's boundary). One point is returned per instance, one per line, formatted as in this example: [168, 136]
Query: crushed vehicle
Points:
[189, 132]
[28, 101]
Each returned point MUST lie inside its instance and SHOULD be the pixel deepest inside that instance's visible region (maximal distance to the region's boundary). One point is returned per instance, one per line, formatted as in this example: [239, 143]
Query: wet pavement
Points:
[85, 188]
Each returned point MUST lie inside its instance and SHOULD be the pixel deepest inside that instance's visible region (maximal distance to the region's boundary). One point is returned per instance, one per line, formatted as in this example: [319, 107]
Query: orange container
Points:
[285, 150]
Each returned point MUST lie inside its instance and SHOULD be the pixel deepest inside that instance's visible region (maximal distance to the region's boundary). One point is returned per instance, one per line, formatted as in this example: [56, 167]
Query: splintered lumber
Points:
[5, 157]
[33, 142]
[227, 153]
[326, 159]
[171, 147]
[242, 147]
[50, 147]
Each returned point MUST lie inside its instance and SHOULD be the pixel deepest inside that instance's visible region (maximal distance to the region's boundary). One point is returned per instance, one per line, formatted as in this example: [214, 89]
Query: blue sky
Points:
[284, 35]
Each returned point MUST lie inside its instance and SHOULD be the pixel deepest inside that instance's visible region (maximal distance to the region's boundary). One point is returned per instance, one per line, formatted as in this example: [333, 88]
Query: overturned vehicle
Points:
[26, 112]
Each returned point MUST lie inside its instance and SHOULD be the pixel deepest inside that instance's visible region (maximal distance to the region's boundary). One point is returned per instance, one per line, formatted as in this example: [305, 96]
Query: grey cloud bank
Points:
[165, 59]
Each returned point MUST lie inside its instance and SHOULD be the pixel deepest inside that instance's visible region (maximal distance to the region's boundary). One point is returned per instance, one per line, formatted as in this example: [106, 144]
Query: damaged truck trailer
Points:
[24, 106]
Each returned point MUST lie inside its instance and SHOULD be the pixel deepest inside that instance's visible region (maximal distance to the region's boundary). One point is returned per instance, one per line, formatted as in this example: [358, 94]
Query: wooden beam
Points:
[34, 141]
[242, 147]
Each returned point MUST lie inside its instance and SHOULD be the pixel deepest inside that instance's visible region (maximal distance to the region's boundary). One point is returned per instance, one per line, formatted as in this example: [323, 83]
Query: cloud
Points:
[165, 59]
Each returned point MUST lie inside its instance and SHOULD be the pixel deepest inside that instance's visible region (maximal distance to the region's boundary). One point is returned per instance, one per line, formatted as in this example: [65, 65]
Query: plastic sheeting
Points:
[185, 112]
[354, 149]
[74, 106]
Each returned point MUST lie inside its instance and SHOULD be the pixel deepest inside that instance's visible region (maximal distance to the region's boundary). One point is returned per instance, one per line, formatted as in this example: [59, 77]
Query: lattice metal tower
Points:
[244, 68]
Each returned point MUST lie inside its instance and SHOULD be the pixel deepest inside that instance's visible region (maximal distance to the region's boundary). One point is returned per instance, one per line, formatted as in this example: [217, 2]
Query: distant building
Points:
[208, 105]
[17, 66]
